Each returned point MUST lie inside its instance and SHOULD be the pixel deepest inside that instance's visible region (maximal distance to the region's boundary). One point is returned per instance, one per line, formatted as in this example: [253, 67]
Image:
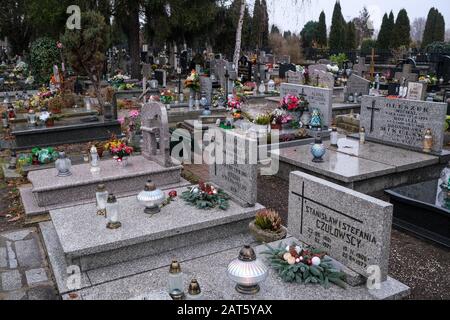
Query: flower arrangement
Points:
[172, 197]
[193, 81]
[135, 120]
[43, 155]
[218, 99]
[267, 226]
[280, 116]
[118, 149]
[234, 104]
[167, 97]
[263, 119]
[205, 196]
[304, 265]
[290, 103]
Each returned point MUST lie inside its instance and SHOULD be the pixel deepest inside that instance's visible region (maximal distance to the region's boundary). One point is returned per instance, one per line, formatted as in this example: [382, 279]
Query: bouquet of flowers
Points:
[280, 116]
[167, 97]
[135, 120]
[118, 149]
[218, 100]
[234, 104]
[293, 103]
[205, 196]
[193, 81]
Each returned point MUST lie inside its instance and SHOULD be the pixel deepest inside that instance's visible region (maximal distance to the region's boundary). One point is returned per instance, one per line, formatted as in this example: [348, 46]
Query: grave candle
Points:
[101, 195]
[334, 137]
[112, 211]
[194, 292]
[94, 160]
[175, 280]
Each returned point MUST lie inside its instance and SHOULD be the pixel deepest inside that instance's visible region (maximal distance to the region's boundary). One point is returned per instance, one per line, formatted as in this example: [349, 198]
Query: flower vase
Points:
[191, 98]
[122, 162]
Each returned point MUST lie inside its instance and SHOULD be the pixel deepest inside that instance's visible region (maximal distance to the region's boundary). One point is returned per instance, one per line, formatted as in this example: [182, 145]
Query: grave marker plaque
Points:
[319, 98]
[403, 122]
[351, 227]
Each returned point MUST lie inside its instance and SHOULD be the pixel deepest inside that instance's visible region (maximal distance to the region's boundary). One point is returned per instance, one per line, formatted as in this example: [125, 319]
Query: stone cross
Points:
[155, 125]
[406, 74]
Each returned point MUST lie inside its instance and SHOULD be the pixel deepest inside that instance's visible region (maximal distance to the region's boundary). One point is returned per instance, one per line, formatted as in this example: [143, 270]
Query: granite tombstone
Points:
[234, 169]
[403, 122]
[295, 77]
[416, 91]
[357, 85]
[319, 98]
[353, 228]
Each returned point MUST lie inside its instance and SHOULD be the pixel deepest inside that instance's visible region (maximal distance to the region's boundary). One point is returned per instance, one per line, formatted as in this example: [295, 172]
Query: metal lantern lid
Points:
[150, 186]
[112, 198]
[101, 188]
[175, 267]
[194, 288]
[62, 155]
[247, 254]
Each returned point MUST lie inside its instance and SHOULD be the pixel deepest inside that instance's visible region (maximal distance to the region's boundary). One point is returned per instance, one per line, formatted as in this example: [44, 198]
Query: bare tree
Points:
[237, 50]
[417, 29]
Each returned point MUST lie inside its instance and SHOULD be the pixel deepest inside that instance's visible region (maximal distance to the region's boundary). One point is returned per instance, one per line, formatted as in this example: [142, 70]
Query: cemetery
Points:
[240, 157]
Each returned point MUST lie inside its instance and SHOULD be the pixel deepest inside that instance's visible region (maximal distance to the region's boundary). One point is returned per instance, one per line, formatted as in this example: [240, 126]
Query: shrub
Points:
[43, 55]
[267, 219]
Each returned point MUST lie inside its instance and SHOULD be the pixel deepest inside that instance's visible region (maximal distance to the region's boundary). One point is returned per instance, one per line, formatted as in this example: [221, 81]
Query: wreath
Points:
[307, 266]
[205, 197]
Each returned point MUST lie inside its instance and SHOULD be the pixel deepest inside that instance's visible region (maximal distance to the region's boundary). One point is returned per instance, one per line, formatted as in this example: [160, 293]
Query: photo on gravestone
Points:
[235, 166]
[351, 227]
[318, 98]
[403, 123]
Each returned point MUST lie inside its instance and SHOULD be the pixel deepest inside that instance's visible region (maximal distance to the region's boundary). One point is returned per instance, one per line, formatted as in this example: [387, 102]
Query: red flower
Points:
[173, 194]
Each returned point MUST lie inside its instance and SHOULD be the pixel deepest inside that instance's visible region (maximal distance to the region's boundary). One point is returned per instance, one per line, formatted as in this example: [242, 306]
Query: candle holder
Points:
[101, 196]
[175, 281]
[151, 198]
[194, 291]
[112, 210]
[247, 271]
[63, 165]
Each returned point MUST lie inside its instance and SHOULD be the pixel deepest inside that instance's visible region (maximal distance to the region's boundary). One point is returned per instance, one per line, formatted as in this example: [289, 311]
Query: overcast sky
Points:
[287, 17]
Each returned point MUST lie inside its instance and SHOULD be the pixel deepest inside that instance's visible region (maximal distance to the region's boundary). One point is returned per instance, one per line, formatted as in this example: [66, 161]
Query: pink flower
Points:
[134, 113]
[121, 120]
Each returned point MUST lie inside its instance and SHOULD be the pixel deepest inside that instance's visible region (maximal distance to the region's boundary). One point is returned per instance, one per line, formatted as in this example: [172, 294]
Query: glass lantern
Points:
[151, 198]
[95, 168]
[63, 165]
[31, 118]
[112, 212]
[87, 103]
[175, 280]
[101, 196]
[194, 292]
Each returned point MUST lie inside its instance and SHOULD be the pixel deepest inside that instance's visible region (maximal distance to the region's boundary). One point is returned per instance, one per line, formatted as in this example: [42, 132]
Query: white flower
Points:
[298, 249]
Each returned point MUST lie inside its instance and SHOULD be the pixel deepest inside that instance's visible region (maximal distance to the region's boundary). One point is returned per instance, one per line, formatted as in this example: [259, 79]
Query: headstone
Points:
[219, 70]
[155, 133]
[206, 88]
[285, 59]
[295, 77]
[416, 91]
[357, 85]
[406, 74]
[403, 122]
[351, 227]
[161, 77]
[245, 69]
[270, 59]
[236, 174]
[319, 98]
[322, 78]
[360, 68]
[324, 61]
[285, 68]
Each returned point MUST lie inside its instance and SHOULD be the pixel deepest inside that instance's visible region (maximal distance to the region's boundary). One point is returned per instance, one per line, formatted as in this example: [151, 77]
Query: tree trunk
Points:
[133, 35]
[237, 50]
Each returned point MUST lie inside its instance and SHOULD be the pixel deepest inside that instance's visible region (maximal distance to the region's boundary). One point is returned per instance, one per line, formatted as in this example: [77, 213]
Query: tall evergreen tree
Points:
[309, 34]
[350, 38]
[275, 29]
[402, 30]
[322, 31]
[384, 34]
[434, 28]
[261, 24]
[338, 28]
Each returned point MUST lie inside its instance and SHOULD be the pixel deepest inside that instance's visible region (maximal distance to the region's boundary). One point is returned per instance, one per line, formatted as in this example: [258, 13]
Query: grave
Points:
[406, 74]
[360, 68]
[319, 98]
[392, 155]
[155, 164]
[351, 227]
[245, 69]
[143, 242]
[285, 68]
[357, 85]
[295, 77]
[403, 123]
[416, 91]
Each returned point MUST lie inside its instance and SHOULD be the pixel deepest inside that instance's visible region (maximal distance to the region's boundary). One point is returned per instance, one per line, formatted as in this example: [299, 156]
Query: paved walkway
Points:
[24, 272]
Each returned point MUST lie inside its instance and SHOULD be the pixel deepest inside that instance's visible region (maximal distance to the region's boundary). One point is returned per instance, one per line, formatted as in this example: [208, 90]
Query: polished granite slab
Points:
[353, 161]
